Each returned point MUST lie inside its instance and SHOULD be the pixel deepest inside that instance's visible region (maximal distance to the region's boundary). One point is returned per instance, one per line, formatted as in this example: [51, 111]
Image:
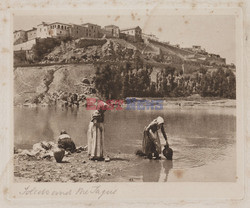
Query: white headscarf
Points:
[102, 105]
[160, 120]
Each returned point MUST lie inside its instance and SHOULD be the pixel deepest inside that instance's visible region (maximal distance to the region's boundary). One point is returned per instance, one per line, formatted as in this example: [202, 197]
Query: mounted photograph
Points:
[137, 97]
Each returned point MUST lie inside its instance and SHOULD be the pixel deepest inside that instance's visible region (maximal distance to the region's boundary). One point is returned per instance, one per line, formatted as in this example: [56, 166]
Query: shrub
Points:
[44, 46]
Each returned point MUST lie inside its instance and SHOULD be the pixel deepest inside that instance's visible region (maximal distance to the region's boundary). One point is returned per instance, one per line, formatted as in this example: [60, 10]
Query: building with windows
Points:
[42, 30]
[31, 34]
[20, 36]
[58, 29]
[133, 34]
[111, 31]
[94, 31]
[77, 31]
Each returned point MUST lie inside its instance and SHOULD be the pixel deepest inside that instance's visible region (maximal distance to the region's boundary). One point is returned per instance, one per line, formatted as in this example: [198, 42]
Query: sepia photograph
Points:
[124, 98]
[121, 102]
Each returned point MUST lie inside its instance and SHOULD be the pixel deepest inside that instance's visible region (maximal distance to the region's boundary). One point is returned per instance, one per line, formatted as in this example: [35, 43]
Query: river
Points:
[203, 139]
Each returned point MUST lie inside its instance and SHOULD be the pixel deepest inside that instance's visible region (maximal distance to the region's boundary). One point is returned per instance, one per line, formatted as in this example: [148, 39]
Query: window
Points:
[60, 32]
[61, 27]
[58, 26]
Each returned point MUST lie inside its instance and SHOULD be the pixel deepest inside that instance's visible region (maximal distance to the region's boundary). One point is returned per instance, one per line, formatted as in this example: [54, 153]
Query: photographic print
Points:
[110, 101]
[170, 85]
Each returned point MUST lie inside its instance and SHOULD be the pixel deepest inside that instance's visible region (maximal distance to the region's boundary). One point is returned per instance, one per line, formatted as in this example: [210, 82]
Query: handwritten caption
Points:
[96, 190]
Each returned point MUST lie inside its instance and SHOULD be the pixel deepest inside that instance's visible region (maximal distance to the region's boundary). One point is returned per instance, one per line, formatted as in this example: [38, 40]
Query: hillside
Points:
[65, 71]
[154, 53]
[49, 83]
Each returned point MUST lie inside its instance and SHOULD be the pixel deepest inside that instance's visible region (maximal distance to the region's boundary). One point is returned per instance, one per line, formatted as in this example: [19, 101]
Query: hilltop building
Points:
[133, 34]
[42, 30]
[111, 31]
[147, 37]
[58, 29]
[77, 31]
[94, 31]
[198, 49]
[20, 36]
[214, 59]
[31, 34]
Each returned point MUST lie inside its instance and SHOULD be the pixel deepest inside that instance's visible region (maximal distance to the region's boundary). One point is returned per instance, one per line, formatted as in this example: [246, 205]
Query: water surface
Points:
[203, 139]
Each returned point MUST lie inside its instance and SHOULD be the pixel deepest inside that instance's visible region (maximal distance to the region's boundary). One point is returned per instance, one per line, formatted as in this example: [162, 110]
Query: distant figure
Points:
[65, 142]
[151, 141]
[96, 134]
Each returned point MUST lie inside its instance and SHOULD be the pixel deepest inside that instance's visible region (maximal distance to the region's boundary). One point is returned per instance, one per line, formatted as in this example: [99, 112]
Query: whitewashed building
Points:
[58, 29]
[42, 30]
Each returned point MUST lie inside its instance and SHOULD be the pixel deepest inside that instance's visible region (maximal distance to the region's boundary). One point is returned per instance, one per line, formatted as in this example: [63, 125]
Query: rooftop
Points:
[111, 26]
[43, 23]
[131, 28]
[18, 31]
[90, 24]
[58, 23]
[32, 29]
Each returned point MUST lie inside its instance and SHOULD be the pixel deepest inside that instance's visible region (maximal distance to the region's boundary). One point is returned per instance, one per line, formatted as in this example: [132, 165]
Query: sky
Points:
[215, 33]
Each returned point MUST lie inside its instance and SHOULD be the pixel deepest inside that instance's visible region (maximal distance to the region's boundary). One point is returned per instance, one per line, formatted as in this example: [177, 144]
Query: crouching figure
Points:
[65, 142]
[151, 145]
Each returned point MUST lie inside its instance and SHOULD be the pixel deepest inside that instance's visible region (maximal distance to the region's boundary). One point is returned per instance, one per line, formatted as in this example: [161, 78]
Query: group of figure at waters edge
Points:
[151, 145]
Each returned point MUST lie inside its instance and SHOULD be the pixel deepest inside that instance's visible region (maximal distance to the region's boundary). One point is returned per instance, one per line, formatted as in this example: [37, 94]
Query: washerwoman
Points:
[95, 134]
[151, 145]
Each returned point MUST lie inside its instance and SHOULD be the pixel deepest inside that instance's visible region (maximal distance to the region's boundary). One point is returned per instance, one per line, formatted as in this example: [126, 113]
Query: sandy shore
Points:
[74, 168]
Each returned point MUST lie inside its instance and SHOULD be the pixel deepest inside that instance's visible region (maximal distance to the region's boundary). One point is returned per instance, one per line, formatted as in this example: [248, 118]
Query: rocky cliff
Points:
[50, 84]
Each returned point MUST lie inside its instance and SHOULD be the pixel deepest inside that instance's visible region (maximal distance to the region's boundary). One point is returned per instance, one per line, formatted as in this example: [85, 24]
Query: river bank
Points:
[148, 102]
[183, 101]
[75, 167]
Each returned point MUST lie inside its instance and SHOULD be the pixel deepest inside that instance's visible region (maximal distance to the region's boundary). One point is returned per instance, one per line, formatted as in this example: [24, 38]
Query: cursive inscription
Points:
[97, 190]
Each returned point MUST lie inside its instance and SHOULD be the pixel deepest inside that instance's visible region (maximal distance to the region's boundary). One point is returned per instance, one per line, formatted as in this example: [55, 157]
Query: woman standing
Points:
[151, 141]
[96, 135]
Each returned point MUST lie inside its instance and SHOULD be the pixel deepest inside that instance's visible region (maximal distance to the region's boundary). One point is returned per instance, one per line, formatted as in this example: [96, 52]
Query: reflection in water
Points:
[156, 170]
[167, 166]
[47, 131]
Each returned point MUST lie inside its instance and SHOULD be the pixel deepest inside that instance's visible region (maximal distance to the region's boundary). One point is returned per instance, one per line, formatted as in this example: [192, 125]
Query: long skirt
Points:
[151, 143]
[95, 140]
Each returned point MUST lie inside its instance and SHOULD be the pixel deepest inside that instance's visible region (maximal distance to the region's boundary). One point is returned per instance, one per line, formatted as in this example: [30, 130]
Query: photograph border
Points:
[135, 191]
